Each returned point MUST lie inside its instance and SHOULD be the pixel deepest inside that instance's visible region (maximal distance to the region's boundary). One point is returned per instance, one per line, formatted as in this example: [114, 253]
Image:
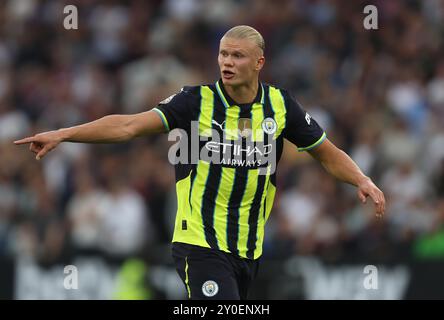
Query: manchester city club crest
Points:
[244, 127]
[210, 288]
[269, 126]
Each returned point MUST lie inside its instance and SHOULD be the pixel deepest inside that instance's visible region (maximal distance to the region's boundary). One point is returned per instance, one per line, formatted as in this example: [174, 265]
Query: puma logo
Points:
[217, 124]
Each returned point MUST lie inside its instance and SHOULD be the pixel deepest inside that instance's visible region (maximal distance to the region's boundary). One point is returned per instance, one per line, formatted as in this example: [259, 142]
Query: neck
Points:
[245, 93]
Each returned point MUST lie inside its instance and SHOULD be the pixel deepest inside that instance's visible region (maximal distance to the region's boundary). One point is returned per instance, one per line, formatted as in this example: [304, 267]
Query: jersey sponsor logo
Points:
[269, 126]
[307, 118]
[241, 162]
[216, 149]
[224, 147]
[210, 288]
[250, 155]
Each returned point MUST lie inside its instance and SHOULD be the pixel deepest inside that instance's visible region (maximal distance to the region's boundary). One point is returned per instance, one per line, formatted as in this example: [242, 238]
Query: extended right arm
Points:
[109, 129]
[114, 128]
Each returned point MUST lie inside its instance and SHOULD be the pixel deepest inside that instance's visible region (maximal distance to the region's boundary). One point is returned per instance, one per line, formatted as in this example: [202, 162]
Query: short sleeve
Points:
[301, 129]
[175, 110]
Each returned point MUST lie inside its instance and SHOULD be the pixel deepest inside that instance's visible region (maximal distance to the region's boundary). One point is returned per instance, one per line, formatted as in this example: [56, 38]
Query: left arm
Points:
[342, 167]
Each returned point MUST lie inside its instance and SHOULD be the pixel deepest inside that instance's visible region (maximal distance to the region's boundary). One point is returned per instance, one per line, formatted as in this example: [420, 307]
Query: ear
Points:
[260, 63]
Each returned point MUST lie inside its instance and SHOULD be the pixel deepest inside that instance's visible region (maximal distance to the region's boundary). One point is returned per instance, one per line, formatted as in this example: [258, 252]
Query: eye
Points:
[223, 53]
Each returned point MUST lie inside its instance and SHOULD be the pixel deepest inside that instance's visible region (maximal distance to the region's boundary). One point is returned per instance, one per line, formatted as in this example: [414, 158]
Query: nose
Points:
[228, 61]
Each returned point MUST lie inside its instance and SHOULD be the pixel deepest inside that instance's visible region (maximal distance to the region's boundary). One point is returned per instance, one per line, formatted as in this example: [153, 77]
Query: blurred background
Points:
[109, 209]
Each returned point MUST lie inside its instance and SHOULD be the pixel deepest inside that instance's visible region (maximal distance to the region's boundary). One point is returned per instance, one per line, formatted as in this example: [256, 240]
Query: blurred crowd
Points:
[379, 94]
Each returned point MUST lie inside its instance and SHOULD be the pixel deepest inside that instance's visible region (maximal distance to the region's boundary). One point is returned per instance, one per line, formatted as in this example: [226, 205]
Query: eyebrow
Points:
[235, 51]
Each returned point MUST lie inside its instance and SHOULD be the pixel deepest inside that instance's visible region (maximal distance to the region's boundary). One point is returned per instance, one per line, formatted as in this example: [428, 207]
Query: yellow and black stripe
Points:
[225, 206]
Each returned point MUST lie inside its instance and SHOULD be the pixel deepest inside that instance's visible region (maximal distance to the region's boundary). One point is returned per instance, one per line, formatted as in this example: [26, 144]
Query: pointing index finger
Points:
[25, 140]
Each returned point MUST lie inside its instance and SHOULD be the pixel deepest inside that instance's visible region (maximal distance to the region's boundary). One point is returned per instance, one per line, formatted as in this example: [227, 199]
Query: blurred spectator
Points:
[85, 214]
[124, 225]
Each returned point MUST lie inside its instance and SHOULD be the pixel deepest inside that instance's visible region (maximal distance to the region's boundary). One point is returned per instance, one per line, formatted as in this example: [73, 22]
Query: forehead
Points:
[229, 43]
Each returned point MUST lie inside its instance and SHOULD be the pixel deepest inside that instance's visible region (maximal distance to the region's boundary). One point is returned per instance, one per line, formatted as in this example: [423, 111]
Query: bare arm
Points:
[109, 129]
[114, 128]
[342, 167]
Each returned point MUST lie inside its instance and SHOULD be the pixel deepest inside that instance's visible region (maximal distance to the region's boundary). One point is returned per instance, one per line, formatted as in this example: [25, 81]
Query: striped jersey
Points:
[226, 162]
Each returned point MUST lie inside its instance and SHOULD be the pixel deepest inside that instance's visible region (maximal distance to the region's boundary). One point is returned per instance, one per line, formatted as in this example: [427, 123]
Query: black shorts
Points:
[213, 274]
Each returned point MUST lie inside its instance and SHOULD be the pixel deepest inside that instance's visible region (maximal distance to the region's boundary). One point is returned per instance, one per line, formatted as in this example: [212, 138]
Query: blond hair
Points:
[246, 32]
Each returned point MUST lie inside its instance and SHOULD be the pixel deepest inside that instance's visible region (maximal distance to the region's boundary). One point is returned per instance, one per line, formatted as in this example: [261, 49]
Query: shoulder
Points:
[271, 88]
[194, 93]
[280, 93]
[191, 93]
[185, 94]
[191, 90]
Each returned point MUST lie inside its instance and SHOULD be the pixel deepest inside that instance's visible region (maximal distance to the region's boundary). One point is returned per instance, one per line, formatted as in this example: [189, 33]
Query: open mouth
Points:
[227, 74]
